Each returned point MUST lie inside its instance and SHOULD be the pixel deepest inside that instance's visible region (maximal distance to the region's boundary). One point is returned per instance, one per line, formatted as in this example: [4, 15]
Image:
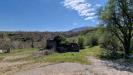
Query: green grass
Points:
[22, 51]
[2, 56]
[80, 57]
[18, 53]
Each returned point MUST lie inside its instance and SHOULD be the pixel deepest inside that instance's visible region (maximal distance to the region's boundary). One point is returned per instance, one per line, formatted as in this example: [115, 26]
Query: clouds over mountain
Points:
[83, 8]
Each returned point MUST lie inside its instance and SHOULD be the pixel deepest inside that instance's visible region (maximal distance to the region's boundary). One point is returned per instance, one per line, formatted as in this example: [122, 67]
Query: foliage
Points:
[118, 18]
[93, 41]
[111, 46]
[81, 42]
[60, 40]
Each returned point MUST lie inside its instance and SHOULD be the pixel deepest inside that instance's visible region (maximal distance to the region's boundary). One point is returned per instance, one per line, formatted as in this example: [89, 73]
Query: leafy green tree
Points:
[111, 46]
[81, 42]
[60, 40]
[93, 41]
[118, 18]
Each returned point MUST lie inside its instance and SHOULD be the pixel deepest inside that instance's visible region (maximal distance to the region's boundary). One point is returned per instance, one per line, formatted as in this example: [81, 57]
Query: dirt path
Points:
[100, 67]
[6, 67]
[58, 69]
[10, 68]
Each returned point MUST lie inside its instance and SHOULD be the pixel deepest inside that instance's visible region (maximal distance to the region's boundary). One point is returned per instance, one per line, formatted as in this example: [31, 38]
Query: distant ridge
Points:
[81, 29]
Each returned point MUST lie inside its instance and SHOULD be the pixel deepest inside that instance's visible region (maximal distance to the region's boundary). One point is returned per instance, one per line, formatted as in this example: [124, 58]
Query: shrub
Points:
[92, 40]
[60, 40]
[81, 42]
[111, 46]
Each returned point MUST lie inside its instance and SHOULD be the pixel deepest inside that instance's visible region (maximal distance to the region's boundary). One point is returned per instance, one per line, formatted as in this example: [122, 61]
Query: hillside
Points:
[34, 39]
[26, 39]
[81, 29]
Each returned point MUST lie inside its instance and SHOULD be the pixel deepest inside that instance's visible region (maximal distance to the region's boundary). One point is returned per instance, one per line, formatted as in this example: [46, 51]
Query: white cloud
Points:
[75, 23]
[90, 18]
[83, 8]
[98, 5]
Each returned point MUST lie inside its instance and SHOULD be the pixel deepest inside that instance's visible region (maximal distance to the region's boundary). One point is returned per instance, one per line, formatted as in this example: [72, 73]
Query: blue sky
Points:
[47, 15]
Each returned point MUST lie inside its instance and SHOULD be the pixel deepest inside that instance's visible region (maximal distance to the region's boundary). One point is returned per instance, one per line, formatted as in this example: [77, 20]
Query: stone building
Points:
[62, 48]
[4, 48]
[51, 44]
[3, 51]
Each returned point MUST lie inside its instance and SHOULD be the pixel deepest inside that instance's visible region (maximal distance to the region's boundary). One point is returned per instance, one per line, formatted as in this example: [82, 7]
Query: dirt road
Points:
[101, 67]
[58, 69]
[98, 67]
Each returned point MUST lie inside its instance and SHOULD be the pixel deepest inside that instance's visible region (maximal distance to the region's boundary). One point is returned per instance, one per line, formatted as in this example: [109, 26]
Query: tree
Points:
[60, 40]
[81, 42]
[118, 18]
[111, 46]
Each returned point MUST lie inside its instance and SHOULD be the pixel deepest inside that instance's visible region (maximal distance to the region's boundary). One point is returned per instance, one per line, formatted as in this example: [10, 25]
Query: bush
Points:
[81, 42]
[60, 40]
[111, 46]
[92, 40]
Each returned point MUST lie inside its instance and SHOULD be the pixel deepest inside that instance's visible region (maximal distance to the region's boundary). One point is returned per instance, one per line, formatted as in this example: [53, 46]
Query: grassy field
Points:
[80, 57]
[26, 55]
[18, 54]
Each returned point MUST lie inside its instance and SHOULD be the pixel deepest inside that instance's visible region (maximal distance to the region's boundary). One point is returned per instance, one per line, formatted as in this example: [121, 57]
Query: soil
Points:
[97, 67]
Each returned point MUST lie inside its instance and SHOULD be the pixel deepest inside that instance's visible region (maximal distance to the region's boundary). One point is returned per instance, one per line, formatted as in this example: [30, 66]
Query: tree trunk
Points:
[127, 48]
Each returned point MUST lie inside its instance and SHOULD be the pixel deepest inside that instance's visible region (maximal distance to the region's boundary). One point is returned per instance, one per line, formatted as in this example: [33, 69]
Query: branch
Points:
[118, 35]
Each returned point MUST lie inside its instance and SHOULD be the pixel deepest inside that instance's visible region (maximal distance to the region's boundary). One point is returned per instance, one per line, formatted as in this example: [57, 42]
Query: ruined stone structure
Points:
[51, 44]
[4, 48]
[62, 48]
[4, 51]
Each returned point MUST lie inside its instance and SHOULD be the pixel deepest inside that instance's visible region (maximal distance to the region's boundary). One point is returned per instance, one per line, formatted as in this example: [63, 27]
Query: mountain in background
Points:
[81, 29]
